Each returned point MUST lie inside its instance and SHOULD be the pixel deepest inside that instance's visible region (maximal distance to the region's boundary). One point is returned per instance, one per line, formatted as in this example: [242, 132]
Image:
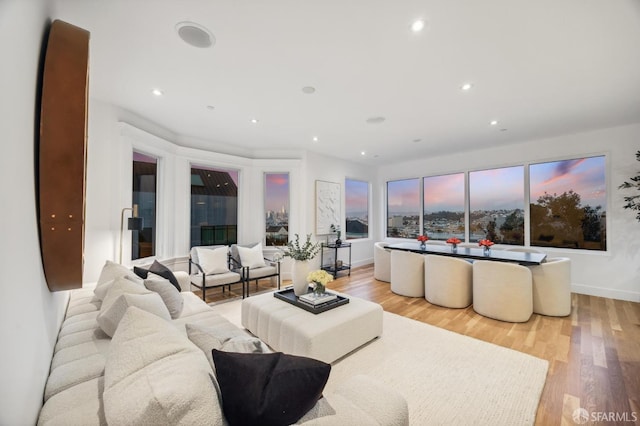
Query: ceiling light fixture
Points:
[195, 34]
[494, 122]
[308, 90]
[466, 86]
[210, 107]
[375, 120]
[417, 140]
[315, 139]
[254, 121]
[363, 153]
[417, 26]
[157, 92]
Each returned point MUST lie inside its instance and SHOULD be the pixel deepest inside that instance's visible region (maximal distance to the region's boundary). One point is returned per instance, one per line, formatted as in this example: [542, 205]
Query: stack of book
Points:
[317, 299]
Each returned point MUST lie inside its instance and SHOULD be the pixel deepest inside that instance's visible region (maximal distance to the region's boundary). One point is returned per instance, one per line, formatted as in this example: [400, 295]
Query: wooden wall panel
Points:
[62, 156]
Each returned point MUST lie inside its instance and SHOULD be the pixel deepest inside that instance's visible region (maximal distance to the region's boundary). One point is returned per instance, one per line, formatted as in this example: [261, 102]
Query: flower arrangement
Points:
[320, 278]
[423, 238]
[305, 252]
[485, 243]
[453, 240]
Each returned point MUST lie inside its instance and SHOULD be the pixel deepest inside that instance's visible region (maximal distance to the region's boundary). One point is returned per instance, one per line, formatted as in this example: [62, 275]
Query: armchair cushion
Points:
[236, 261]
[213, 261]
[251, 257]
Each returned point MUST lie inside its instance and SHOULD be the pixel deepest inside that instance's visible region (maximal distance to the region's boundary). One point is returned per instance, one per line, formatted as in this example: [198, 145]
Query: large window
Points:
[145, 174]
[276, 205]
[214, 206]
[403, 208]
[444, 206]
[356, 208]
[496, 205]
[568, 203]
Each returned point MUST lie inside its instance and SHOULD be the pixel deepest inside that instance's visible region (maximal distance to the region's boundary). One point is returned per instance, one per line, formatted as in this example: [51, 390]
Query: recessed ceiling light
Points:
[308, 90]
[494, 122]
[417, 140]
[375, 120]
[417, 26]
[315, 139]
[195, 34]
[363, 153]
[157, 92]
[466, 86]
[211, 107]
[254, 121]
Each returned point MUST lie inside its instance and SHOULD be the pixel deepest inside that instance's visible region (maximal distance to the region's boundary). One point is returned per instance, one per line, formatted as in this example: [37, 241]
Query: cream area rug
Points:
[446, 378]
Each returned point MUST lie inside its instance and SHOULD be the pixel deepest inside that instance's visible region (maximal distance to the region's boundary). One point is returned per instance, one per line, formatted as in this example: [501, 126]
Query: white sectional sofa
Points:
[150, 372]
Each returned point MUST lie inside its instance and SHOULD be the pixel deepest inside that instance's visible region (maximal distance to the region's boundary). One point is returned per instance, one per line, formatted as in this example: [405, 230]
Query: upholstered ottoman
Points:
[326, 336]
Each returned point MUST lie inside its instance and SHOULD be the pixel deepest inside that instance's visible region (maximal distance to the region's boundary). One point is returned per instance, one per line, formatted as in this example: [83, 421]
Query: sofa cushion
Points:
[111, 313]
[110, 273]
[251, 257]
[213, 260]
[158, 269]
[273, 389]
[209, 338]
[154, 375]
[171, 298]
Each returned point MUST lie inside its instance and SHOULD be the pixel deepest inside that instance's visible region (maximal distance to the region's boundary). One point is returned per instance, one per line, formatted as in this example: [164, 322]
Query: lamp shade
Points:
[135, 224]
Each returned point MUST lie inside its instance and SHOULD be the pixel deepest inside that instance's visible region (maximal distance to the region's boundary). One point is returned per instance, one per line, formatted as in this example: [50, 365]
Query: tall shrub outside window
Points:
[568, 203]
[276, 205]
[214, 206]
[356, 194]
[144, 186]
[496, 205]
[444, 206]
[403, 208]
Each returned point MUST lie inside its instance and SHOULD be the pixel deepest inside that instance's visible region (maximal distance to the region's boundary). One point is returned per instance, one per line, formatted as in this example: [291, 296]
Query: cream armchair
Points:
[210, 266]
[251, 263]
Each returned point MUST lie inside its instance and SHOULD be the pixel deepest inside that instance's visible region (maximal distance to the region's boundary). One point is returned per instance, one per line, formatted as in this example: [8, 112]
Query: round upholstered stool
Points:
[502, 291]
[447, 281]
[407, 273]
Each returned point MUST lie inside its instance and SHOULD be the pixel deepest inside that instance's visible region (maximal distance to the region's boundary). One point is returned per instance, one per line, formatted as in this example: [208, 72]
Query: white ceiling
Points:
[541, 68]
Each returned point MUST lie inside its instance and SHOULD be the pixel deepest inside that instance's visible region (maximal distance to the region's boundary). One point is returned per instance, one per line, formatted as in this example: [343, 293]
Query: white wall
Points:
[30, 315]
[615, 273]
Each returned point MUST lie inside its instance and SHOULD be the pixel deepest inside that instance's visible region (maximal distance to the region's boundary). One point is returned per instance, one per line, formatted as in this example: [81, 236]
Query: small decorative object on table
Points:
[486, 244]
[319, 280]
[454, 243]
[423, 239]
[336, 229]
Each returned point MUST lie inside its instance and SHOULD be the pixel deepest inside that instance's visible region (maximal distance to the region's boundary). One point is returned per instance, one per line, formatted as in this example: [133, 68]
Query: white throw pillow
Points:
[151, 302]
[213, 261]
[167, 291]
[110, 271]
[154, 375]
[252, 256]
[120, 286]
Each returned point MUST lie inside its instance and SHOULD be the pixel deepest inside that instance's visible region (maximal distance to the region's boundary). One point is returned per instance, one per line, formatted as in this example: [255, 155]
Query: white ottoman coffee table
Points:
[326, 336]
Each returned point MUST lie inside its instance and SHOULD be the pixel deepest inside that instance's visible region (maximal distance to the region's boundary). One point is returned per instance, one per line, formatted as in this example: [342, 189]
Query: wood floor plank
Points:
[594, 353]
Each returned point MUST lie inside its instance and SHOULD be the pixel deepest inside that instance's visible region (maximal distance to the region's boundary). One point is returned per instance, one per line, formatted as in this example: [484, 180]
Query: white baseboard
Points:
[606, 292]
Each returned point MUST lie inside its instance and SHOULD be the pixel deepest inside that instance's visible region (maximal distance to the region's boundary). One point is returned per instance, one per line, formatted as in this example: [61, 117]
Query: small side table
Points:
[337, 265]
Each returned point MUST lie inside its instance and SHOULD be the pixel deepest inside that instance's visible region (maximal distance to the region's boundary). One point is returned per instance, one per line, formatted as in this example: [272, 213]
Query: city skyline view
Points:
[277, 192]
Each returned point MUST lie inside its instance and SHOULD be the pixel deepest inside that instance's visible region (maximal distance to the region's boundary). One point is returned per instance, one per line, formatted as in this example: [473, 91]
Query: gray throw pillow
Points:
[167, 292]
[207, 338]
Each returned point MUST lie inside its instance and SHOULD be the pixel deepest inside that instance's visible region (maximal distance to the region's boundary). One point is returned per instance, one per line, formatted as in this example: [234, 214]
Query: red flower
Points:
[485, 243]
[422, 238]
[453, 240]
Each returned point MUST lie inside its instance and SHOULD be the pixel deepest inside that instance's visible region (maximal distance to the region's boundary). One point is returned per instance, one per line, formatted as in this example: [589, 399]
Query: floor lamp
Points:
[134, 223]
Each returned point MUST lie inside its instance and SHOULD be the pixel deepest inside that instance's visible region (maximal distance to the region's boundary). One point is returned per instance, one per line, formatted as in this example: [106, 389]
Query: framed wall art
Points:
[327, 206]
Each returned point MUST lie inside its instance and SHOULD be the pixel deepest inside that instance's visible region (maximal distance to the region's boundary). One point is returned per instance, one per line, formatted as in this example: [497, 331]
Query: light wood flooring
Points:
[593, 354]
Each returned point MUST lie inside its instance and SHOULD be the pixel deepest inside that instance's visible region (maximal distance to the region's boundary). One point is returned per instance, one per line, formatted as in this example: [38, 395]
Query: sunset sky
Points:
[276, 191]
[502, 188]
[356, 197]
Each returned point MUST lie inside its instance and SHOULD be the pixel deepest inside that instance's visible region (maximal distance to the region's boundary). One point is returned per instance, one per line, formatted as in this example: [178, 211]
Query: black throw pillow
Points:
[158, 269]
[269, 389]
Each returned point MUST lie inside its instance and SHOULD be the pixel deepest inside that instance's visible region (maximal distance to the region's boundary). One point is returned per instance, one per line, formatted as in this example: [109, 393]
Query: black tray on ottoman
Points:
[289, 296]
